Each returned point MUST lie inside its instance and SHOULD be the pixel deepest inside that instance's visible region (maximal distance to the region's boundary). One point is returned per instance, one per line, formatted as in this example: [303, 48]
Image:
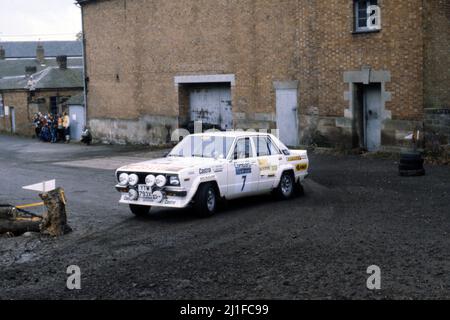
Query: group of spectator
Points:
[52, 128]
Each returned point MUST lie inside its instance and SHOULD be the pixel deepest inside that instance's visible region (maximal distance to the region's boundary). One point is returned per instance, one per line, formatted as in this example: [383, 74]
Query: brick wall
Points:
[437, 54]
[18, 100]
[24, 111]
[135, 48]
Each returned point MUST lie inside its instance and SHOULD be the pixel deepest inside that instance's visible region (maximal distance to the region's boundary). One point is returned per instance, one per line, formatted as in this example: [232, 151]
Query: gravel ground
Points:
[356, 212]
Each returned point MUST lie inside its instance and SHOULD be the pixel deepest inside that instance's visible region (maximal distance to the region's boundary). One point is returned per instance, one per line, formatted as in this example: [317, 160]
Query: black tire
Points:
[139, 211]
[417, 166]
[411, 161]
[205, 200]
[412, 173]
[286, 187]
[411, 156]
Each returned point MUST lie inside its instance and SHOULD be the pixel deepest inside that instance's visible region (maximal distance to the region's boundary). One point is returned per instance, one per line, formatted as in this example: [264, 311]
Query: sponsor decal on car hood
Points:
[170, 165]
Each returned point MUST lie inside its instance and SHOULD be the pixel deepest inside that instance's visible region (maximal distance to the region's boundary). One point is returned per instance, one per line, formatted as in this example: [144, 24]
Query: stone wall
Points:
[437, 122]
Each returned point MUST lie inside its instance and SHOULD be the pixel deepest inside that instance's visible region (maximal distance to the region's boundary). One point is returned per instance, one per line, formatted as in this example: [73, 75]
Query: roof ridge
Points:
[44, 73]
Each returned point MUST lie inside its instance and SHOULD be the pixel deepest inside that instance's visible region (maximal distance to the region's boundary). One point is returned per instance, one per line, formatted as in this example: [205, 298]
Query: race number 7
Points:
[244, 178]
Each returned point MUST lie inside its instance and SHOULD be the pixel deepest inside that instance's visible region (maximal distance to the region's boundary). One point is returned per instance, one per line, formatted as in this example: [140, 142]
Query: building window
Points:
[2, 108]
[361, 16]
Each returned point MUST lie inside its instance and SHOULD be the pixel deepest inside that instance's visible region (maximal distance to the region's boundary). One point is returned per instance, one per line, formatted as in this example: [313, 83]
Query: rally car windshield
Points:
[203, 147]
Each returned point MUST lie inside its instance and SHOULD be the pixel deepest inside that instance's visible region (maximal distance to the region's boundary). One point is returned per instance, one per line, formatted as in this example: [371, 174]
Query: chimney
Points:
[62, 62]
[40, 54]
[2, 53]
[29, 70]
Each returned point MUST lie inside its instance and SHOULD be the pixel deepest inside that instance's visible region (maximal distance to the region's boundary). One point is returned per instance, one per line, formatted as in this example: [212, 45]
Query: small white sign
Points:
[6, 111]
[44, 186]
[74, 117]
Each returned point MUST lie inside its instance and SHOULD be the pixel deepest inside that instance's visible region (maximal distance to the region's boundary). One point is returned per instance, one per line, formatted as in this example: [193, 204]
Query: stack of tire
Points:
[411, 164]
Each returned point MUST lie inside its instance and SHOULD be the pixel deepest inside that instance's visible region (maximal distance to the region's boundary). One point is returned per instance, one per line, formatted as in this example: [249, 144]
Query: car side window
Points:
[265, 147]
[243, 149]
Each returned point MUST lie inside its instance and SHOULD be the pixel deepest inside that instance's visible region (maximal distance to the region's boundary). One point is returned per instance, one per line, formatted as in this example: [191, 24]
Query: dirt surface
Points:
[356, 212]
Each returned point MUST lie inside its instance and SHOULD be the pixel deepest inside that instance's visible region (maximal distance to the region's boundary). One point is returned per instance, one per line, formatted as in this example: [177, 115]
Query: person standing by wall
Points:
[37, 125]
[53, 128]
[60, 128]
[66, 125]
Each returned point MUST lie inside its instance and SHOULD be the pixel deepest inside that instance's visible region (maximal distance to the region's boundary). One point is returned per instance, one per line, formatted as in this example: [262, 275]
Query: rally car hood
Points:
[167, 165]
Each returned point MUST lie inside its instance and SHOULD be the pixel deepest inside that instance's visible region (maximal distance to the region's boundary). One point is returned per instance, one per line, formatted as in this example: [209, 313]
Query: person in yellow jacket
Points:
[66, 125]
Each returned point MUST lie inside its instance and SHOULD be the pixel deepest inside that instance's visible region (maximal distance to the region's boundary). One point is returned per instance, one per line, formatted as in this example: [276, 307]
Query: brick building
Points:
[39, 83]
[313, 69]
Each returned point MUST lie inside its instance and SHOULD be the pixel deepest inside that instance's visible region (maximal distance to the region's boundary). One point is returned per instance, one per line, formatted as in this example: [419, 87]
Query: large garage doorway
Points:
[211, 104]
[368, 115]
[205, 98]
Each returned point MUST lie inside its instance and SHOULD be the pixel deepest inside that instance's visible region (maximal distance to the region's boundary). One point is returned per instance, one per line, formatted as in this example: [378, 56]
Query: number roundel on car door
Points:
[243, 173]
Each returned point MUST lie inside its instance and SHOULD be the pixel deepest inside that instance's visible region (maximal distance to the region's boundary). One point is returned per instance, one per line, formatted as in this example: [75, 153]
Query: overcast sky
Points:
[22, 20]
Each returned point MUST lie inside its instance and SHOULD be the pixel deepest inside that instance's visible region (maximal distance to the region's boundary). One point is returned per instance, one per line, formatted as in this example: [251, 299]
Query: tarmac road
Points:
[356, 212]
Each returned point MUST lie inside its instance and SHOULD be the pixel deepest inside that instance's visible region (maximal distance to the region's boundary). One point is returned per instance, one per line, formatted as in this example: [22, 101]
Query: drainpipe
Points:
[83, 46]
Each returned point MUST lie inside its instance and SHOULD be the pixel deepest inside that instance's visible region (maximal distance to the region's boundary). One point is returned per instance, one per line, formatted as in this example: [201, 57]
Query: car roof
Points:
[230, 134]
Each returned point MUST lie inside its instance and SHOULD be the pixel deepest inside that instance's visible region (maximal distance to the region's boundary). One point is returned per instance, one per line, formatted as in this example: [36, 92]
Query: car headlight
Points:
[174, 181]
[133, 179]
[150, 180]
[133, 194]
[161, 181]
[123, 179]
[158, 196]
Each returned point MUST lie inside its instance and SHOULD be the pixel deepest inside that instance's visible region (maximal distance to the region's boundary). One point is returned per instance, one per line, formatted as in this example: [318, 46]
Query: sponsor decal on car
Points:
[301, 167]
[295, 158]
[204, 171]
[207, 178]
[266, 168]
[218, 169]
[243, 168]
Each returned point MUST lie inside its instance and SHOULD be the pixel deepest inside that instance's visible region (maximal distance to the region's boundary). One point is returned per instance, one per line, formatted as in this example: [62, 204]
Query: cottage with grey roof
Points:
[39, 84]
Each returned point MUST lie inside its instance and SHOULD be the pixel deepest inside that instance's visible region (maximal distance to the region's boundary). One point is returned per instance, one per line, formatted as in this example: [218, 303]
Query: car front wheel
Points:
[286, 187]
[205, 203]
[139, 211]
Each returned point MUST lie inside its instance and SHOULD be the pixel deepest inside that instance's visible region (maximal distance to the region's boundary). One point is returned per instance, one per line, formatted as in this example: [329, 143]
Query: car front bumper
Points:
[174, 198]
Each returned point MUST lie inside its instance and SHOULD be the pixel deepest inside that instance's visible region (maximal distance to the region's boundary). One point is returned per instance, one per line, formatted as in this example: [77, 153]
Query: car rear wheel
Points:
[139, 211]
[205, 202]
[286, 187]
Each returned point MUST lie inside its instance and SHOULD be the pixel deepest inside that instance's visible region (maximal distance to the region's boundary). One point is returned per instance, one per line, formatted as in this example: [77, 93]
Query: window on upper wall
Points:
[365, 21]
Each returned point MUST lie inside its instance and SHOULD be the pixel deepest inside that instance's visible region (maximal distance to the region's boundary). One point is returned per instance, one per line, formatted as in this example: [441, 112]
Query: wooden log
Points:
[6, 211]
[54, 222]
[18, 227]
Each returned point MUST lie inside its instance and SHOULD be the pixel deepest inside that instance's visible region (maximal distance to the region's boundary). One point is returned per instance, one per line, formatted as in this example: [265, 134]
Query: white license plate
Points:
[145, 193]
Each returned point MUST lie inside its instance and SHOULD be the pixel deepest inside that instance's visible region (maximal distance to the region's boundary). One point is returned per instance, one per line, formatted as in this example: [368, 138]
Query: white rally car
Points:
[204, 168]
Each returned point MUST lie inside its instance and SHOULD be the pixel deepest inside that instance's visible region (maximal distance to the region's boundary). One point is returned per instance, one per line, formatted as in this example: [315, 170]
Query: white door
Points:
[372, 109]
[212, 105]
[77, 121]
[243, 170]
[287, 116]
